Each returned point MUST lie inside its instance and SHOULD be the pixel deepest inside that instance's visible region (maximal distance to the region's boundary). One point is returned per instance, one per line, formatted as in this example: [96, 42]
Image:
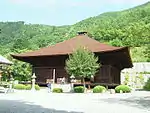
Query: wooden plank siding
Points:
[107, 74]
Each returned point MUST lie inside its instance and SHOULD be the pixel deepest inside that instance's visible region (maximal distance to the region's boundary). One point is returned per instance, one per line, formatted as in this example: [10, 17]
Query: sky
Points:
[60, 12]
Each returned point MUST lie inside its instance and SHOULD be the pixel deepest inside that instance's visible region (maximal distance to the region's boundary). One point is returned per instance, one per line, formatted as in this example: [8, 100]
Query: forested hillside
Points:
[123, 28]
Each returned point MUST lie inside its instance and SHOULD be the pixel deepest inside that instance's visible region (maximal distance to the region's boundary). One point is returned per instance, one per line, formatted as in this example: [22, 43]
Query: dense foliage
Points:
[99, 89]
[123, 88]
[57, 90]
[82, 64]
[19, 70]
[28, 87]
[79, 89]
[25, 87]
[123, 28]
[20, 86]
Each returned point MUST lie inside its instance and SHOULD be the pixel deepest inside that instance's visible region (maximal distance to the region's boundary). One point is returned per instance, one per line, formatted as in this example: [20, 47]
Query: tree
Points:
[147, 53]
[82, 64]
[18, 70]
[21, 71]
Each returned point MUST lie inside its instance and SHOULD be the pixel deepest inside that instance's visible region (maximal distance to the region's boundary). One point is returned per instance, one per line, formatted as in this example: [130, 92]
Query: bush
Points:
[28, 87]
[124, 88]
[99, 89]
[147, 85]
[79, 89]
[57, 90]
[19, 86]
[37, 87]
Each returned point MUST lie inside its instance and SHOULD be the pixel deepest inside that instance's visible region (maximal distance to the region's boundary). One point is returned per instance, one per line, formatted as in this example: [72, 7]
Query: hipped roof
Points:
[68, 46]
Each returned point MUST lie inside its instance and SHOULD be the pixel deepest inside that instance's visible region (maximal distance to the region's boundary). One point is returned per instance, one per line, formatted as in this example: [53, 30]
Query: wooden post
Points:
[110, 75]
[54, 75]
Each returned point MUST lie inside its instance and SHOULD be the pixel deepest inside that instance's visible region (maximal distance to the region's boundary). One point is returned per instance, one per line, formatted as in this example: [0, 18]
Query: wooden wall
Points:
[107, 74]
[45, 73]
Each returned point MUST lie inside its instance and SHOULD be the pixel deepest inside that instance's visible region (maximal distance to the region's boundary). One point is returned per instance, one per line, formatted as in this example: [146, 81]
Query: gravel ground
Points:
[43, 102]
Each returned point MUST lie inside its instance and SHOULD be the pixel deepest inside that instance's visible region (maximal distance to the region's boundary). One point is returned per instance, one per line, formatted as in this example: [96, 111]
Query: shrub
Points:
[28, 87]
[19, 86]
[147, 85]
[99, 89]
[37, 87]
[57, 90]
[79, 89]
[124, 88]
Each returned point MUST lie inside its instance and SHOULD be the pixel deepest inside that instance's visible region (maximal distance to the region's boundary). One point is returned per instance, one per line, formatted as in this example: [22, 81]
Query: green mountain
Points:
[122, 28]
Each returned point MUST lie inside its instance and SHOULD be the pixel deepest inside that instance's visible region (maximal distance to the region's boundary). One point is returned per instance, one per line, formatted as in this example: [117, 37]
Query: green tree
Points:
[21, 71]
[147, 52]
[18, 70]
[82, 64]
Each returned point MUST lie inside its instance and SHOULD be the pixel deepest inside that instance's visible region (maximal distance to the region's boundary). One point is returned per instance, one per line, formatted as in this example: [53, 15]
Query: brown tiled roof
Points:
[68, 46]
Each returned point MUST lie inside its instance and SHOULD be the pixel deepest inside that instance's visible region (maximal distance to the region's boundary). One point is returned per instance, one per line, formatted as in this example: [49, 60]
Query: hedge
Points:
[28, 87]
[25, 87]
[79, 89]
[123, 88]
[57, 90]
[19, 86]
[99, 89]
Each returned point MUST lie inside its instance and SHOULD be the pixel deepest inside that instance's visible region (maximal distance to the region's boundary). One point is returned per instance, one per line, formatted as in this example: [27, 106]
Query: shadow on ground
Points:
[138, 102]
[15, 106]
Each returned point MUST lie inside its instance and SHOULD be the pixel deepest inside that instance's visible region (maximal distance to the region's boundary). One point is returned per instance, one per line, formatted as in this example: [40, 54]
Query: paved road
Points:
[43, 102]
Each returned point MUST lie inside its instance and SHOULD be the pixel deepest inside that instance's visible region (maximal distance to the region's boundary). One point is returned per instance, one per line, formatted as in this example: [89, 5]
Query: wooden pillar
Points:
[54, 76]
[33, 70]
[110, 74]
[119, 76]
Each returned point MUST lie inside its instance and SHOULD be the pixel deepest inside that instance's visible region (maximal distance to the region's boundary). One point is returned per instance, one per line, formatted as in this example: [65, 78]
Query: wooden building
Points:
[51, 60]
